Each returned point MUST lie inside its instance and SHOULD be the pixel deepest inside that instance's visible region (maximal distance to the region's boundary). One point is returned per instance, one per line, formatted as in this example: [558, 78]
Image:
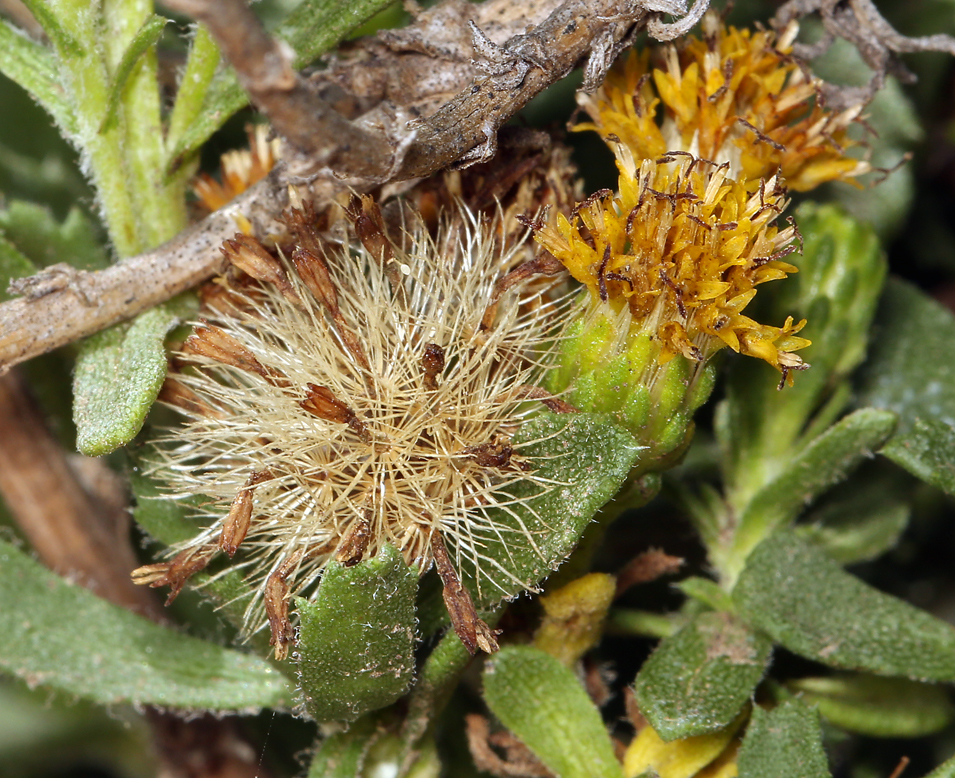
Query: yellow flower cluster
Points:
[733, 96]
[684, 246]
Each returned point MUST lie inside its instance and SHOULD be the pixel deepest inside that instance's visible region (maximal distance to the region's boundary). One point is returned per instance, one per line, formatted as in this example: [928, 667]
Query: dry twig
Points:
[336, 153]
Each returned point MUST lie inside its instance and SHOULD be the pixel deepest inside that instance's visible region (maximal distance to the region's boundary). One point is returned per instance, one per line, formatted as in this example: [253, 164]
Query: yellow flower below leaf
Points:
[683, 246]
[734, 96]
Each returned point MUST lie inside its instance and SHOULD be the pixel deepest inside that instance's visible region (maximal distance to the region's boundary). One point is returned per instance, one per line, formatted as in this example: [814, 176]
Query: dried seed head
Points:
[365, 407]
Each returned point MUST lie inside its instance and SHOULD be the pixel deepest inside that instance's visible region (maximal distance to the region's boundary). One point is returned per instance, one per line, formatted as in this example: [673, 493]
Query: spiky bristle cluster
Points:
[356, 397]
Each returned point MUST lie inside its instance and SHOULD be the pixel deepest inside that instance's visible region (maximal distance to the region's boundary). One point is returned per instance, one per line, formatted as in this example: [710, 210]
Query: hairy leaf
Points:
[343, 754]
[65, 638]
[589, 456]
[824, 462]
[543, 703]
[809, 604]
[878, 707]
[119, 373]
[698, 681]
[13, 264]
[356, 641]
[35, 231]
[32, 66]
[785, 742]
[148, 35]
[927, 451]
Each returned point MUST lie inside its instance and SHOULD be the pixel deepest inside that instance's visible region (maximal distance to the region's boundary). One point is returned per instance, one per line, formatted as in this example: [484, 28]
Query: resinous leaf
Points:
[356, 641]
[64, 637]
[911, 370]
[785, 742]
[878, 707]
[119, 373]
[589, 457]
[805, 601]
[543, 703]
[697, 681]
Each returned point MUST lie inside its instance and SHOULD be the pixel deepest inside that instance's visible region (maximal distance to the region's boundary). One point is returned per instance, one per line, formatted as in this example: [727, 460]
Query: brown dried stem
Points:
[341, 153]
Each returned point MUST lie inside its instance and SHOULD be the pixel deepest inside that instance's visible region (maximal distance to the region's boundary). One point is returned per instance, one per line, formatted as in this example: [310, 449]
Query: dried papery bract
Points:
[357, 396]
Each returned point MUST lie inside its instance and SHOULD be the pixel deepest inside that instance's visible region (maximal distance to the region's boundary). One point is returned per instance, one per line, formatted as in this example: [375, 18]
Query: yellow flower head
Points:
[733, 96]
[683, 247]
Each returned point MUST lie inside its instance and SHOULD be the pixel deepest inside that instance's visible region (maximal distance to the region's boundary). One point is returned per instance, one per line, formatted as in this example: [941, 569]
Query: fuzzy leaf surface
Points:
[805, 601]
[927, 451]
[543, 703]
[146, 36]
[343, 754]
[944, 770]
[356, 641]
[878, 707]
[36, 233]
[32, 66]
[66, 638]
[13, 264]
[785, 742]
[911, 370]
[589, 456]
[697, 681]
[311, 29]
[824, 462]
[119, 373]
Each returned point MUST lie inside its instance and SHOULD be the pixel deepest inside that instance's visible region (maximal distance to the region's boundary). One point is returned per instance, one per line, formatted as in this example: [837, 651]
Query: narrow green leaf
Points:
[878, 707]
[312, 29]
[785, 742]
[826, 461]
[911, 364]
[65, 638]
[543, 703]
[194, 84]
[809, 604]
[944, 770]
[146, 36]
[32, 66]
[343, 754]
[119, 373]
[927, 451]
[356, 641]
[698, 681]
[860, 527]
[45, 13]
[13, 264]
[34, 230]
[590, 456]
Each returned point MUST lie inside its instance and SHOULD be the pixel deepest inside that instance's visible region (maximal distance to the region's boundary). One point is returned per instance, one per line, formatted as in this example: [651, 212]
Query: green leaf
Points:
[927, 451]
[312, 29]
[193, 86]
[878, 707]
[809, 604]
[32, 66]
[823, 463]
[860, 527]
[146, 36]
[46, 14]
[698, 681]
[13, 264]
[590, 456]
[543, 703]
[64, 637]
[36, 233]
[356, 641]
[785, 742]
[119, 373]
[911, 364]
[944, 770]
[343, 754]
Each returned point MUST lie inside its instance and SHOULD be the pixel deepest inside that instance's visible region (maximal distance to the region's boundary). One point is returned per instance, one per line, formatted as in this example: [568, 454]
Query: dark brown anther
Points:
[602, 274]
[677, 292]
[432, 364]
[496, 455]
[474, 633]
[355, 543]
[321, 401]
[215, 343]
[276, 606]
[236, 524]
[174, 574]
[250, 256]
